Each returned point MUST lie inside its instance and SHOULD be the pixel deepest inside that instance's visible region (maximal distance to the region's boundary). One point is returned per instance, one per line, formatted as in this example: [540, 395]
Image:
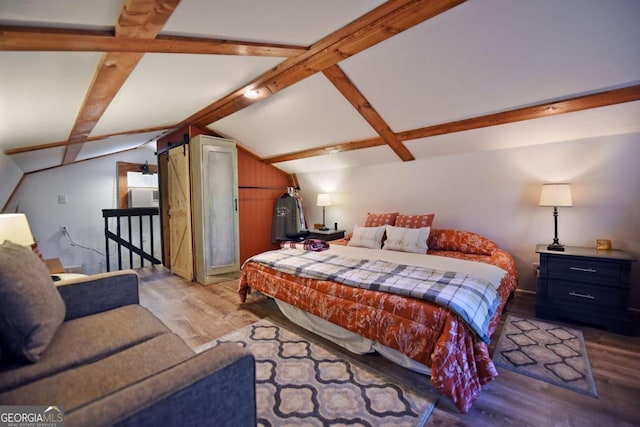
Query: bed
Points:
[419, 334]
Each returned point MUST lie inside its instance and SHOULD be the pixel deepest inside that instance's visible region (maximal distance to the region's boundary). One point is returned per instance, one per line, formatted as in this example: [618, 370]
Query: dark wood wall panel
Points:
[256, 205]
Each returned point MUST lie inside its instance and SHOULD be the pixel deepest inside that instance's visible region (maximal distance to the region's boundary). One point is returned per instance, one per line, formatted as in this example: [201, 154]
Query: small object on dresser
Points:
[603, 245]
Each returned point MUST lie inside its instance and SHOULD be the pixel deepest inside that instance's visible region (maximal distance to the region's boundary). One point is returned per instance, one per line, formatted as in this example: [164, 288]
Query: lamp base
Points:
[323, 228]
[555, 247]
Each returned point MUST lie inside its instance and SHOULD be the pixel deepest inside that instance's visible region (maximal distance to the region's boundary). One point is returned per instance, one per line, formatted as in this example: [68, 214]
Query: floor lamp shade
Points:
[556, 195]
[15, 228]
[324, 199]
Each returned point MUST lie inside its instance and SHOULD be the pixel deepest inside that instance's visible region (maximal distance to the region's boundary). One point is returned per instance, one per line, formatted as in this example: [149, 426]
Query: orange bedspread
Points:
[432, 335]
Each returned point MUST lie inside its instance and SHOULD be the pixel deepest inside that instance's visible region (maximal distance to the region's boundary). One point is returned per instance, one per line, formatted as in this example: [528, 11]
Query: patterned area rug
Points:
[552, 353]
[301, 383]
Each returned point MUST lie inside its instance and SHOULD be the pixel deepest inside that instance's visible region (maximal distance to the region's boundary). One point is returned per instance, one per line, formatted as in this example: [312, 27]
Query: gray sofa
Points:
[112, 362]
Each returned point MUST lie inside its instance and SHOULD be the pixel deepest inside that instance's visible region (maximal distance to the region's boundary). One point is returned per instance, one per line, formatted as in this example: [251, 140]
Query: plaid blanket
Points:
[472, 299]
[315, 245]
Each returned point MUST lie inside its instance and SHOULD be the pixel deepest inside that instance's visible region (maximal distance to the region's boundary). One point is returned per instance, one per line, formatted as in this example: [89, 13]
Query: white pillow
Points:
[367, 237]
[407, 239]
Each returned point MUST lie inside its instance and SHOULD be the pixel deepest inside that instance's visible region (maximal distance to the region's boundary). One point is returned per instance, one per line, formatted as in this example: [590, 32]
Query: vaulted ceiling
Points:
[339, 83]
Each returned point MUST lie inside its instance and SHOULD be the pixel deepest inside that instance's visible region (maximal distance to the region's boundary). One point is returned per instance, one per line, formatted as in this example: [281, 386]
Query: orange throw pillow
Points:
[414, 221]
[377, 220]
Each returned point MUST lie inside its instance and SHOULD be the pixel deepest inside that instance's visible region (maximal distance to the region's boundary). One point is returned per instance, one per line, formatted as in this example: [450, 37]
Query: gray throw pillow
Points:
[31, 309]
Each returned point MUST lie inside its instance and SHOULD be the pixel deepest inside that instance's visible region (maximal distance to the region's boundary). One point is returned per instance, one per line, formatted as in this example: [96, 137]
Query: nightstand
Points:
[585, 285]
[326, 235]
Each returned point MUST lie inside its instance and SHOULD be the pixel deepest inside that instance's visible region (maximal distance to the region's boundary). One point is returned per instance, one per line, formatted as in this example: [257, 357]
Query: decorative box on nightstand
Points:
[585, 285]
[326, 235]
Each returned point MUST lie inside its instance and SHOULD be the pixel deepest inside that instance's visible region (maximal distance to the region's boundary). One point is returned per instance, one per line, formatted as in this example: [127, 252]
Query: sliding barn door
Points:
[180, 213]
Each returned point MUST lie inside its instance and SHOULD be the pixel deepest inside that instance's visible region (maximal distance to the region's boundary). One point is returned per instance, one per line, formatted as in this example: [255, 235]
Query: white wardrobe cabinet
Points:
[214, 207]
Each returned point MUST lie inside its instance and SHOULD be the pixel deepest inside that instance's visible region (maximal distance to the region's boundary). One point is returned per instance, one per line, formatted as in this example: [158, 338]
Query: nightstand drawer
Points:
[583, 269]
[581, 294]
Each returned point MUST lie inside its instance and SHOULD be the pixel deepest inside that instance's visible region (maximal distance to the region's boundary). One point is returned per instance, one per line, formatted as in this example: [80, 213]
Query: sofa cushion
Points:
[84, 340]
[31, 309]
[84, 384]
[213, 388]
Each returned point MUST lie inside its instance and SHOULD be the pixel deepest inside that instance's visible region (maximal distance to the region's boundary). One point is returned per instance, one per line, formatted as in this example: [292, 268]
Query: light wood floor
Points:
[200, 314]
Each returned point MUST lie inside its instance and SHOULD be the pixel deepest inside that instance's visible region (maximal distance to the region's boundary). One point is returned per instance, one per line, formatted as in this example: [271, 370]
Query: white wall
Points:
[11, 174]
[90, 187]
[495, 193]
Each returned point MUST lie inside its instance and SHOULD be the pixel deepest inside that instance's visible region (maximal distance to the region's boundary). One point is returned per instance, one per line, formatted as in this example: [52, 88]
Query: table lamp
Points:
[556, 195]
[324, 200]
[15, 228]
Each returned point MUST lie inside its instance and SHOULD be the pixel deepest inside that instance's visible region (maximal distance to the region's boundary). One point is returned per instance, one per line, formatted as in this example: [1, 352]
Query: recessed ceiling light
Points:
[251, 93]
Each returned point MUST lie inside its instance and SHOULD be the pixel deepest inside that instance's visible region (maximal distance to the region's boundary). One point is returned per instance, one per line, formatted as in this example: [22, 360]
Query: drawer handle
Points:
[586, 270]
[574, 294]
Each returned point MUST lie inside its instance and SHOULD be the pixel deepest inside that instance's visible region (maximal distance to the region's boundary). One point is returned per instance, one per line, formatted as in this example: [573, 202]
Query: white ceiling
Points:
[164, 89]
[96, 14]
[481, 57]
[298, 22]
[490, 55]
[308, 114]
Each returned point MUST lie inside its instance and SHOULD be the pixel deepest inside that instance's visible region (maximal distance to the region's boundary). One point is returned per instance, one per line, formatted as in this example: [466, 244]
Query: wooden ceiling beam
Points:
[39, 147]
[47, 40]
[346, 87]
[601, 99]
[545, 109]
[382, 23]
[113, 70]
[138, 19]
[385, 21]
[327, 149]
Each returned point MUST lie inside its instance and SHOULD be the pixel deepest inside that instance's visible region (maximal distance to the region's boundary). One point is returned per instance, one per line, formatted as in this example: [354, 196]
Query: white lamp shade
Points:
[15, 228]
[556, 195]
[324, 199]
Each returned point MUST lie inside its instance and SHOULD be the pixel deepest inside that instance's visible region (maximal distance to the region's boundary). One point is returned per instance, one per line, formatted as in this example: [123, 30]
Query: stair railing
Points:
[127, 244]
